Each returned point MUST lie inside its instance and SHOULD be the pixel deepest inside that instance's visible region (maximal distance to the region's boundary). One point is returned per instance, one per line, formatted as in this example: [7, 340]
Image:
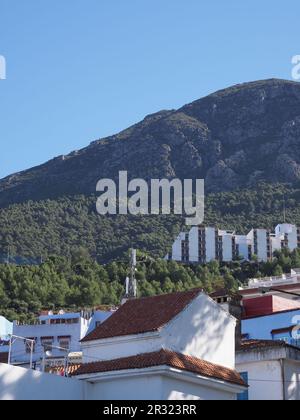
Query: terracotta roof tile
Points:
[143, 315]
[164, 358]
[263, 344]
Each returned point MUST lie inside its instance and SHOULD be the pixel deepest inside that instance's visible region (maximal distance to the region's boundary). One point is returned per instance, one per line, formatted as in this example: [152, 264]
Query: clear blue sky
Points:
[78, 70]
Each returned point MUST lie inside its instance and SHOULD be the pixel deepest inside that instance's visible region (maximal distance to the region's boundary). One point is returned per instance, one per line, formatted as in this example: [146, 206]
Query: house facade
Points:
[59, 334]
[177, 346]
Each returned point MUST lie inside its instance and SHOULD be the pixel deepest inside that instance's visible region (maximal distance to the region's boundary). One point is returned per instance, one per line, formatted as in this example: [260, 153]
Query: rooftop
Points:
[248, 345]
[164, 358]
[144, 315]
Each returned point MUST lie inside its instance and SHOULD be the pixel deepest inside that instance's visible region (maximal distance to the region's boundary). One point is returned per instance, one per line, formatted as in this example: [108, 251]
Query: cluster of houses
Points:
[180, 346]
[203, 244]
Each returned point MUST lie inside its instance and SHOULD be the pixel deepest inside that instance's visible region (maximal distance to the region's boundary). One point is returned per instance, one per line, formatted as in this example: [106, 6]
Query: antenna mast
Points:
[131, 284]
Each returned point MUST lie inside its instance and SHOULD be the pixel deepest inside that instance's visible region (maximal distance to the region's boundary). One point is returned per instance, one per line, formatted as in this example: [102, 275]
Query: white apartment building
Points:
[204, 244]
[53, 333]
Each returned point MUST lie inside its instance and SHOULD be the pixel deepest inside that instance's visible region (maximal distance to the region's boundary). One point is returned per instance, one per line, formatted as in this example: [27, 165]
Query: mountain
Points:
[234, 138]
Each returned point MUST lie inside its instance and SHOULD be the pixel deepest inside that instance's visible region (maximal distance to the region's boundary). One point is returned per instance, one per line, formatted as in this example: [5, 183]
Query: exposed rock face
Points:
[233, 138]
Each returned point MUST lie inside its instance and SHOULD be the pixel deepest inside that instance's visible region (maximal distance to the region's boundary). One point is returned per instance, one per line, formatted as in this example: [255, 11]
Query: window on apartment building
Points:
[65, 343]
[29, 345]
[47, 344]
[245, 395]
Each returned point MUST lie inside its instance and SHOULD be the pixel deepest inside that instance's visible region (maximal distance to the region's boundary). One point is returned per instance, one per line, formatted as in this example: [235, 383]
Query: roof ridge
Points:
[145, 315]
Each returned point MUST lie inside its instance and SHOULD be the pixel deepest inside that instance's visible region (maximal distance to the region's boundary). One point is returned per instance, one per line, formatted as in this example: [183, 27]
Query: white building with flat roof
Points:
[51, 332]
[204, 244]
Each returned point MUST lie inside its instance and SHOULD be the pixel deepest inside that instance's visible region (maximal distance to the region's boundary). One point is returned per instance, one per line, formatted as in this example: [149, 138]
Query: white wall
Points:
[126, 388]
[243, 243]
[116, 348]
[173, 390]
[206, 332]
[265, 380]
[157, 387]
[262, 251]
[24, 384]
[194, 244]
[292, 380]
[227, 247]
[177, 249]
[210, 244]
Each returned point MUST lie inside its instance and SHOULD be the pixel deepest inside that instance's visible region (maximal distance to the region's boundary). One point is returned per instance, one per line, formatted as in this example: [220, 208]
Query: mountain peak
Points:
[233, 138]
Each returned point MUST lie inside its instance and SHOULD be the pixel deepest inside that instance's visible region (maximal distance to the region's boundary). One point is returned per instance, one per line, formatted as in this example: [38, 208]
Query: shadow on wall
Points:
[24, 384]
[206, 332]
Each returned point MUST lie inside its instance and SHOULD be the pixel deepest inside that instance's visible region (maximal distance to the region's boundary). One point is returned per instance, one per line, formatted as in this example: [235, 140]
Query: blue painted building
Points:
[283, 325]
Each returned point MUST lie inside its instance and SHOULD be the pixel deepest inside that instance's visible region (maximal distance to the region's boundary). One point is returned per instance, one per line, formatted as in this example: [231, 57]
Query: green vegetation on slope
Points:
[58, 227]
[80, 282]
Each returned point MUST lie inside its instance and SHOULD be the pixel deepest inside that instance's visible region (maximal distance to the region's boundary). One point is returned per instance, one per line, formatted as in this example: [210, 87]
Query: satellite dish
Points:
[48, 353]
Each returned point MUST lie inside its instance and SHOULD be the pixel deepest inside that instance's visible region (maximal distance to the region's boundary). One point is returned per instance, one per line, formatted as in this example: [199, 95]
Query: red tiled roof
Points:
[143, 315]
[164, 358]
[263, 344]
[3, 357]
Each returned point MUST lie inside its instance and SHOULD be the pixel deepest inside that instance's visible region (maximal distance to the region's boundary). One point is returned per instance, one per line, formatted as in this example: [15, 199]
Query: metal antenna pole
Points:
[133, 286]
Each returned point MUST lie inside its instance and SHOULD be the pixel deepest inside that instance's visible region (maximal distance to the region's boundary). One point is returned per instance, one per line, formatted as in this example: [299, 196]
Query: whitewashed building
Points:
[179, 346]
[271, 369]
[204, 244]
[64, 330]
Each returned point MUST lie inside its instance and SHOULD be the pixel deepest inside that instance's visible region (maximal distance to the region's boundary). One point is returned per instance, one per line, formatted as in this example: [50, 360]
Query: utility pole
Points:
[131, 284]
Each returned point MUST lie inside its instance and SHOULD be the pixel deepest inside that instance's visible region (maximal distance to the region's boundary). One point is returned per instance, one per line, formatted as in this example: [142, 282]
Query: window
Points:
[47, 344]
[245, 395]
[29, 345]
[64, 343]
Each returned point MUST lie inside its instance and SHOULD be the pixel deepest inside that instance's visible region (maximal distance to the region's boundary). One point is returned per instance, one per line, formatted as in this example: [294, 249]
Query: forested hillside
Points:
[37, 230]
[80, 282]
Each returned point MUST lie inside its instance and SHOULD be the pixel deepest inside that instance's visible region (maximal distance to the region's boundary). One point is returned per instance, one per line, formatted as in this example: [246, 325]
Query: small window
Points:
[245, 395]
[47, 344]
[64, 343]
[29, 346]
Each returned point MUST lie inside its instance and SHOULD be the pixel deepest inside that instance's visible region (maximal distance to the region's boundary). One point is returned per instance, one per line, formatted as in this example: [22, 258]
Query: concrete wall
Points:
[24, 384]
